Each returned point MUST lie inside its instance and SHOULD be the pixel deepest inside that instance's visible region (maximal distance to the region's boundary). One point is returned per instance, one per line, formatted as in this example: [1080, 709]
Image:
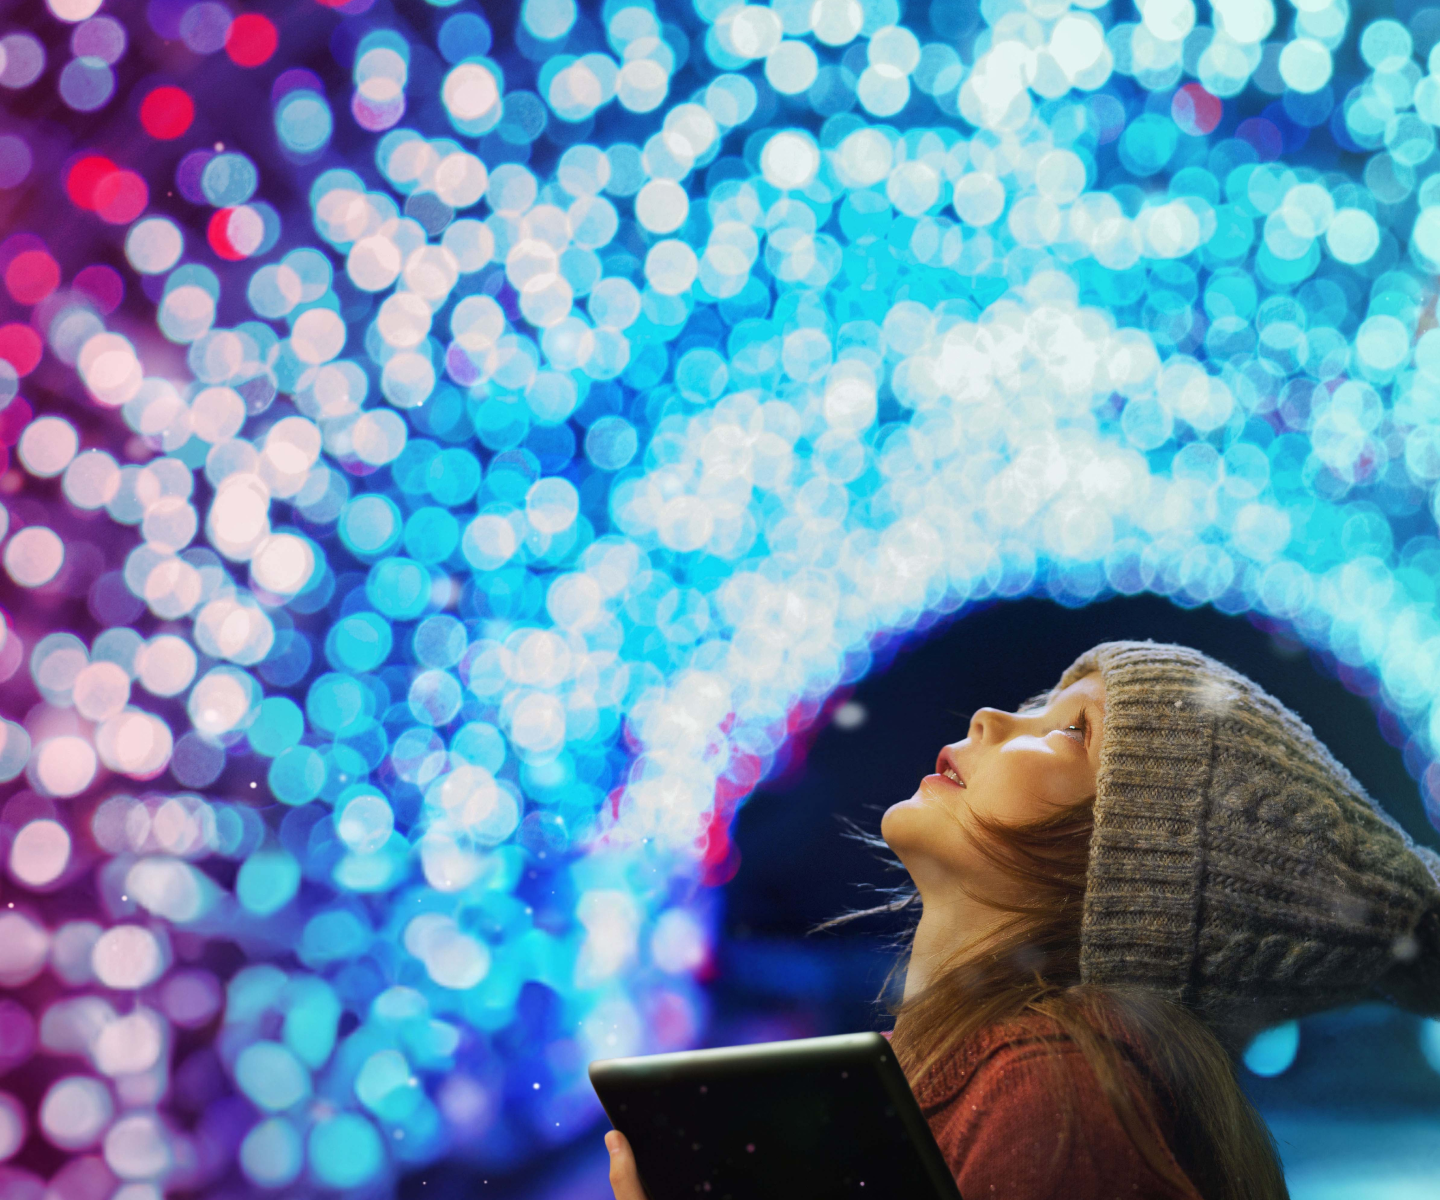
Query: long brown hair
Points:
[1030, 965]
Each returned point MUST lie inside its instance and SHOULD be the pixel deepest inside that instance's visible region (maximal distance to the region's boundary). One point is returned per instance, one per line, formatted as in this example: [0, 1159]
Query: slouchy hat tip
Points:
[1236, 866]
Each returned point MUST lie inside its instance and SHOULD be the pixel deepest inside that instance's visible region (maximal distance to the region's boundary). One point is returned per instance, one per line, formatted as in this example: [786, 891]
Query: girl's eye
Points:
[1077, 731]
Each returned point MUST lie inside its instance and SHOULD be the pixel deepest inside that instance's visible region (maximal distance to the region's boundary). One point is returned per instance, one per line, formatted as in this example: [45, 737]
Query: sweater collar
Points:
[948, 1077]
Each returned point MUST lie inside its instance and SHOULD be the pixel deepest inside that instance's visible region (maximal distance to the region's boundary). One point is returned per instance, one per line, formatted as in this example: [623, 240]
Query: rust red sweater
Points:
[993, 1108]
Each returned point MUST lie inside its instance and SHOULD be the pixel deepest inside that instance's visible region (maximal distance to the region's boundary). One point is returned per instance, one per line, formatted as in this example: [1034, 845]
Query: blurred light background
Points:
[452, 454]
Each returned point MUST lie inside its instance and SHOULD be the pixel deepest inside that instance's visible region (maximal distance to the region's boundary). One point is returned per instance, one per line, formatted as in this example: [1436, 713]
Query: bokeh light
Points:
[443, 471]
[167, 112]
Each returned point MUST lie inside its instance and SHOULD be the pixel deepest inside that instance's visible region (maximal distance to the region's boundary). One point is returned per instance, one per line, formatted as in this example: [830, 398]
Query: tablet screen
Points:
[794, 1121]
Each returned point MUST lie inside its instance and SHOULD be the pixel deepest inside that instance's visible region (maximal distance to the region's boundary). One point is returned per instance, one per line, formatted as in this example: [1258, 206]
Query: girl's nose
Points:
[990, 725]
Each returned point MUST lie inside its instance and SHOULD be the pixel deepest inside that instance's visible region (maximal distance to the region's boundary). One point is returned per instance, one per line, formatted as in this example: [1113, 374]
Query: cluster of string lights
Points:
[439, 488]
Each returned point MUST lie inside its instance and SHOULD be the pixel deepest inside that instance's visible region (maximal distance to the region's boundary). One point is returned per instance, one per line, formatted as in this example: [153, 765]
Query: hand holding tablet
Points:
[809, 1119]
[624, 1175]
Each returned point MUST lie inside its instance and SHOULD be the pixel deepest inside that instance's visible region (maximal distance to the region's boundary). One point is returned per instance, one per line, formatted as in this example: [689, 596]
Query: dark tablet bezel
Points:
[615, 1078]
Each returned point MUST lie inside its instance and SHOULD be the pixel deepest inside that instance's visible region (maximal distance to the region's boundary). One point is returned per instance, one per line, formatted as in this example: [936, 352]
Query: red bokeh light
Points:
[167, 112]
[102, 284]
[116, 195]
[84, 175]
[121, 197]
[217, 233]
[1195, 110]
[251, 40]
[21, 347]
[31, 276]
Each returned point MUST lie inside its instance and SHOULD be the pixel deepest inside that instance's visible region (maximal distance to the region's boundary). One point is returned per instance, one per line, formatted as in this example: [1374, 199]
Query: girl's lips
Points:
[946, 781]
[945, 761]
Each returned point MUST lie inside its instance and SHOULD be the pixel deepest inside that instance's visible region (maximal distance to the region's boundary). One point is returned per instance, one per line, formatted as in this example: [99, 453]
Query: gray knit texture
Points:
[1236, 866]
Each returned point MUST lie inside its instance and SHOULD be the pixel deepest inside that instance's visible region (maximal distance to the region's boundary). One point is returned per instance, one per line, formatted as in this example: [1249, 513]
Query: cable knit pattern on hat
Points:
[1236, 866]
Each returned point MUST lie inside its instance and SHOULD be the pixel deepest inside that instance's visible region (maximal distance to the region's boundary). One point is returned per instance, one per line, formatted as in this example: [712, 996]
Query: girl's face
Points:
[1012, 768]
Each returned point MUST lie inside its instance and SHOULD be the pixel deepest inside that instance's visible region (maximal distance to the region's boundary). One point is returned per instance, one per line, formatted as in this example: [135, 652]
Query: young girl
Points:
[1118, 886]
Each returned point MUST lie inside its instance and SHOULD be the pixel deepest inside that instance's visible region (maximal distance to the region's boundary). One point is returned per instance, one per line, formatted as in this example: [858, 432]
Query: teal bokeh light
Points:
[1273, 1051]
[345, 1151]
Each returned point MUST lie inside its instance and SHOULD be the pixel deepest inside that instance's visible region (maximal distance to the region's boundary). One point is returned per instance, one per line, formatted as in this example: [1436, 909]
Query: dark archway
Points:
[796, 869]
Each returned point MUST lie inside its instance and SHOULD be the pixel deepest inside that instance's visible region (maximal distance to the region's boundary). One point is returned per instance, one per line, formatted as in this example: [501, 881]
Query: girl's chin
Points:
[906, 805]
[900, 812]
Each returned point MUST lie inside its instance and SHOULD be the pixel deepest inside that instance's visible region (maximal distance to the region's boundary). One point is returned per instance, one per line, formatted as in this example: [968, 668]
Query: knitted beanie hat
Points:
[1236, 866]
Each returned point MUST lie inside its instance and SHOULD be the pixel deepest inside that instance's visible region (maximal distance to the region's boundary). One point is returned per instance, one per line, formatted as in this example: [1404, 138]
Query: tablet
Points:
[809, 1119]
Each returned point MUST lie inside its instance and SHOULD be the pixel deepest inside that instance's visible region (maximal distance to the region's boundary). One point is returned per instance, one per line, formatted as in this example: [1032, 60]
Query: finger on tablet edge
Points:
[624, 1175]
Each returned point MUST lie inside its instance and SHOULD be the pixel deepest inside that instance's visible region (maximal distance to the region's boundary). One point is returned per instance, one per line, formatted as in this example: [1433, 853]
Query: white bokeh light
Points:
[40, 853]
